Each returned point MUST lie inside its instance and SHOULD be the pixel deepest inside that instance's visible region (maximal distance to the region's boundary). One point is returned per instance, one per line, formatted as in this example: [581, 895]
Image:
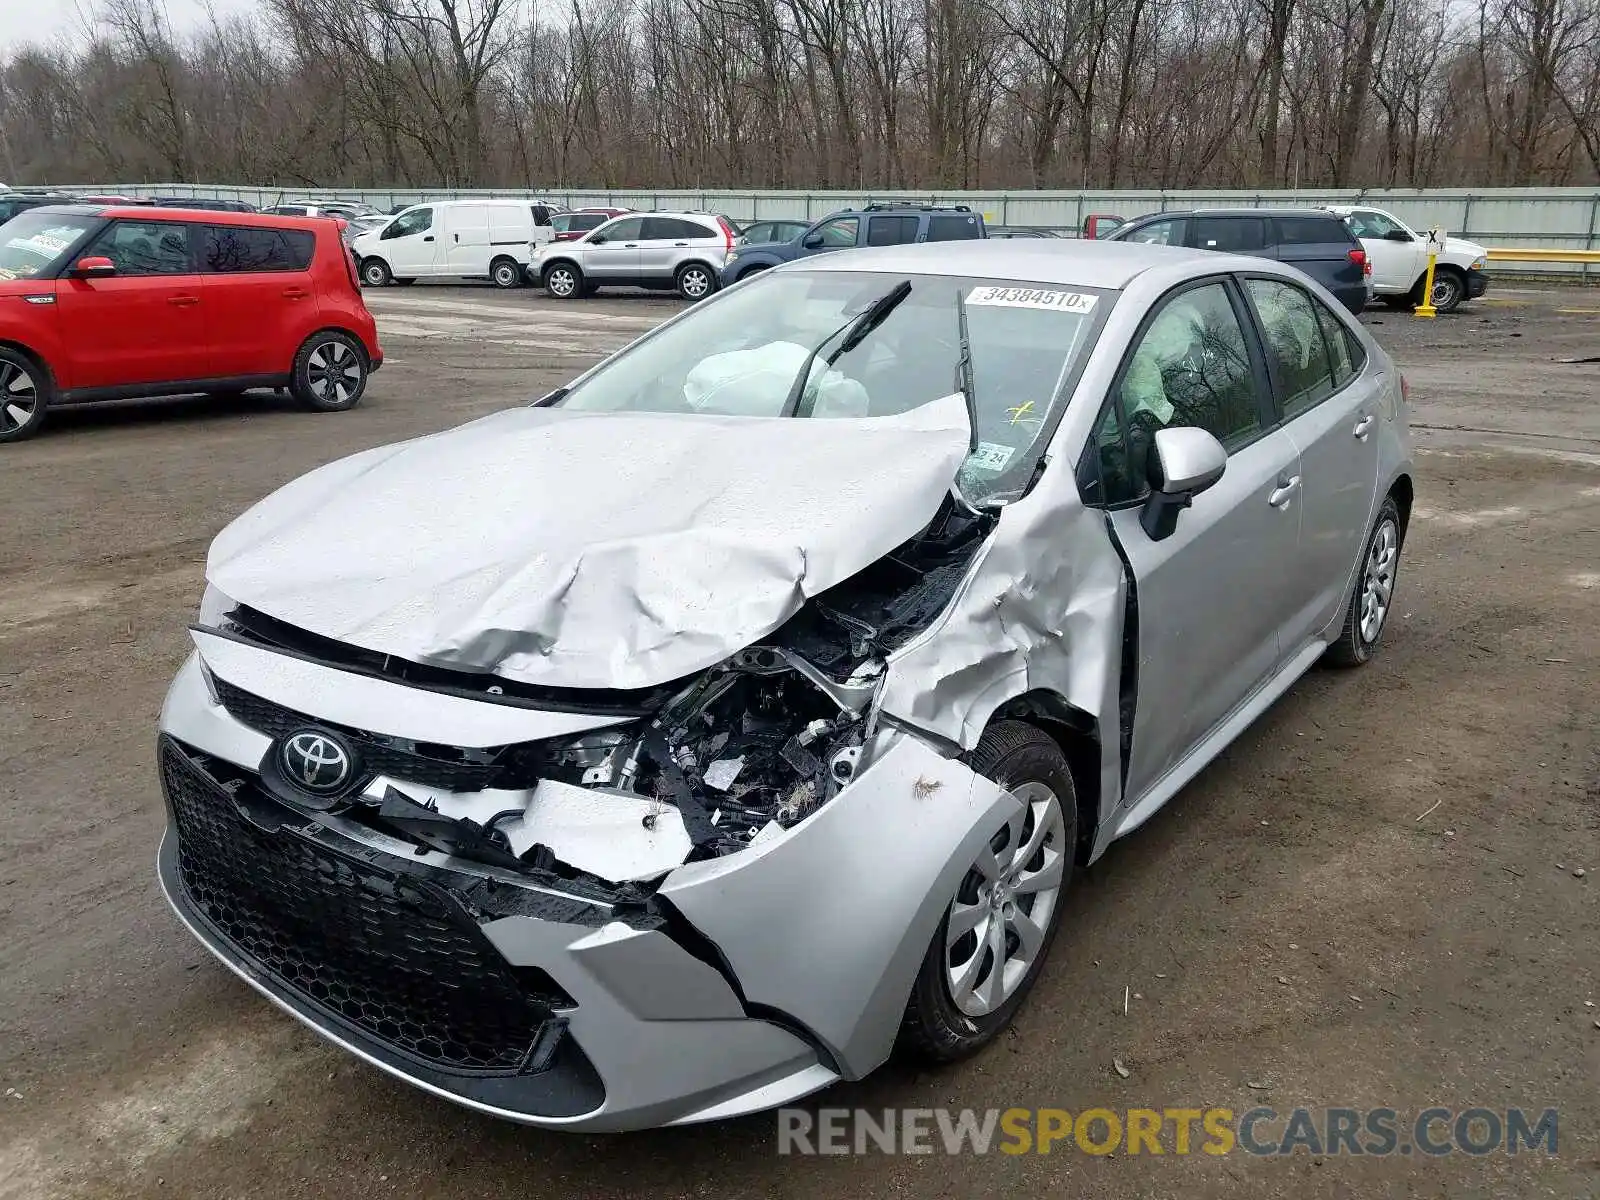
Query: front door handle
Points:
[1284, 492]
[630, 245]
[429, 238]
[680, 243]
[1363, 427]
[183, 301]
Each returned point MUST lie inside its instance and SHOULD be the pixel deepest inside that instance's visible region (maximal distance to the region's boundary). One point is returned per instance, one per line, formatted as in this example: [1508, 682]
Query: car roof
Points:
[1233, 212]
[145, 212]
[1069, 262]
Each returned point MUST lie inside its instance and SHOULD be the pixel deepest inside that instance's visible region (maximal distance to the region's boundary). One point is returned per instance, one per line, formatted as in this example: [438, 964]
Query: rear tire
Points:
[1366, 615]
[505, 273]
[563, 281]
[954, 1011]
[375, 273]
[26, 391]
[695, 281]
[330, 372]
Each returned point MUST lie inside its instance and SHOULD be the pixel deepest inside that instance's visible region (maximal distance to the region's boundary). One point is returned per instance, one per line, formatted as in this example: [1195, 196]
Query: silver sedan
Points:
[739, 714]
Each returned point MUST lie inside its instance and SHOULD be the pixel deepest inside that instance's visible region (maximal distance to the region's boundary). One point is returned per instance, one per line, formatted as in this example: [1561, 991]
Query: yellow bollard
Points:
[1426, 309]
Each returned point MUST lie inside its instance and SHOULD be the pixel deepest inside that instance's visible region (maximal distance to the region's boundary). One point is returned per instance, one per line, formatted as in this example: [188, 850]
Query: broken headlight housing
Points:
[760, 740]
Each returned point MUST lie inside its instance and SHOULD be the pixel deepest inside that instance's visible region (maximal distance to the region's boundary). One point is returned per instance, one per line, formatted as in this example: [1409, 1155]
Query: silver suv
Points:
[658, 250]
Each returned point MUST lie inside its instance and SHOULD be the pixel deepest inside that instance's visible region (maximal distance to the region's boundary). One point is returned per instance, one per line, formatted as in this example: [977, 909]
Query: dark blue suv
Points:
[1316, 241]
[874, 225]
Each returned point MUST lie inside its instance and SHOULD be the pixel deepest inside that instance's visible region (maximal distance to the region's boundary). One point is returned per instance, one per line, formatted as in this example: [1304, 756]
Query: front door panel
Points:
[147, 323]
[1211, 600]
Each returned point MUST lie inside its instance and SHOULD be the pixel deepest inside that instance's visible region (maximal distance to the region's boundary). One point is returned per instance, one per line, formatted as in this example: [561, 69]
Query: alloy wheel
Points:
[19, 398]
[695, 283]
[996, 925]
[561, 282]
[1377, 581]
[334, 371]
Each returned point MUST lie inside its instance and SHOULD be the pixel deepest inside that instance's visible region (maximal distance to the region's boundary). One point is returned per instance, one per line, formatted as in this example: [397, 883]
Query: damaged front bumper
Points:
[730, 985]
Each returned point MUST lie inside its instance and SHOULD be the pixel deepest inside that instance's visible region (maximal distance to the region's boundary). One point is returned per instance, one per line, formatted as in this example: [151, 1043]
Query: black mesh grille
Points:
[377, 756]
[379, 949]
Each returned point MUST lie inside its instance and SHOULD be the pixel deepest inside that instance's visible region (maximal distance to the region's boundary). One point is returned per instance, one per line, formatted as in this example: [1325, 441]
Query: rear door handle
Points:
[1363, 427]
[1284, 492]
[680, 243]
[429, 238]
[630, 245]
[457, 237]
[295, 293]
[183, 301]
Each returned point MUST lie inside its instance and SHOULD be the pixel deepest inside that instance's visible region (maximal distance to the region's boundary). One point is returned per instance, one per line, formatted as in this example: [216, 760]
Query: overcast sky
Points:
[44, 20]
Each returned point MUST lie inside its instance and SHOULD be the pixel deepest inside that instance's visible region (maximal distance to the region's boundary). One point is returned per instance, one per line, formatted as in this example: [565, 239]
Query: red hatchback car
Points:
[101, 303]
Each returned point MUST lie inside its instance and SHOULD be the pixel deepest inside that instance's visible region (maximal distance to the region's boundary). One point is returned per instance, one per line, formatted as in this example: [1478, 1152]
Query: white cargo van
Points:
[460, 239]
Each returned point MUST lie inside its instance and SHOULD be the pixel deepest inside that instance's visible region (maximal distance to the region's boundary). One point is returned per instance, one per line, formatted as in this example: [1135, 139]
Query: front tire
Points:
[695, 281]
[1449, 289]
[26, 391]
[563, 281]
[330, 372]
[375, 273]
[991, 945]
[505, 273]
[1372, 597]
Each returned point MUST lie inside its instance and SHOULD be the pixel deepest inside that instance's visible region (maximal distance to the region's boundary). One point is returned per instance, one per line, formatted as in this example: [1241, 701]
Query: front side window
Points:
[742, 354]
[32, 242]
[144, 248]
[1190, 367]
[626, 230]
[839, 232]
[417, 220]
[1297, 350]
[891, 231]
[233, 249]
[1158, 233]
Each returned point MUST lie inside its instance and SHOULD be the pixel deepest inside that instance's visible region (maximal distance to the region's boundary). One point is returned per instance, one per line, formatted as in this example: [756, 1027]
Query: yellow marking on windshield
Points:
[1020, 411]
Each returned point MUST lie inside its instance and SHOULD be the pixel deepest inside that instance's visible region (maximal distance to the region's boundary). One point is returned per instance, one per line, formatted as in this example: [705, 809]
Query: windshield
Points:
[34, 241]
[741, 354]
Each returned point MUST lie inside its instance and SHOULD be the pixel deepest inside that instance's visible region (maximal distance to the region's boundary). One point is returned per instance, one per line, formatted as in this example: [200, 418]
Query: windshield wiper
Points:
[964, 372]
[855, 332]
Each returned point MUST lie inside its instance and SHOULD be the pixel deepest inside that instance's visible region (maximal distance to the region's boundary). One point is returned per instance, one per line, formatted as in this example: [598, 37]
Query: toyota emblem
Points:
[316, 761]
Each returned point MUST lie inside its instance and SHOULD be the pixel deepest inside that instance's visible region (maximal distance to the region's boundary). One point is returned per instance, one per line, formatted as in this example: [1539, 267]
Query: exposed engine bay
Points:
[702, 768]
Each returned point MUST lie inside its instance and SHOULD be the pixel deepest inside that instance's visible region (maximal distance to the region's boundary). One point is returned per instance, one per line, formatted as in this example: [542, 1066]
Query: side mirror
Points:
[812, 241]
[1397, 235]
[93, 268]
[597, 240]
[1184, 461]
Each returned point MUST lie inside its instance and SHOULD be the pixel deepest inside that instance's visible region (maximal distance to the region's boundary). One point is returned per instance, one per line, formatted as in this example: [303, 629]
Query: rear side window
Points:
[232, 249]
[144, 248]
[891, 231]
[1240, 235]
[953, 228]
[1344, 347]
[1301, 231]
[674, 229]
[1158, 233]
[1297, 344]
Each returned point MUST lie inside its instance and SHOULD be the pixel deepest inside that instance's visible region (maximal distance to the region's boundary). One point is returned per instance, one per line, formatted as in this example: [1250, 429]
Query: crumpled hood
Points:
[588, 550]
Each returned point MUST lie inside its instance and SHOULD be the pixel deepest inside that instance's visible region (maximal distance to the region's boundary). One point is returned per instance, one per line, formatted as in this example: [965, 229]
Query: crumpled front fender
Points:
[829, 920]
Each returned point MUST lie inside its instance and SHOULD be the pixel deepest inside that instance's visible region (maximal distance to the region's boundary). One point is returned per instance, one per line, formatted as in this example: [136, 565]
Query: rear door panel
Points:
[261, 301]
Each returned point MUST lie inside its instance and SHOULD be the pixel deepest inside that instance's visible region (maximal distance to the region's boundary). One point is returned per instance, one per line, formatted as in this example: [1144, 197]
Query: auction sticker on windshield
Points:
[991, 456]
[1015, 297]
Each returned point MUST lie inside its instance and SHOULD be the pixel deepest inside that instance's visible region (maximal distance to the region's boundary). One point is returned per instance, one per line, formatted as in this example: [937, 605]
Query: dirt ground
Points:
[1372, 899]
